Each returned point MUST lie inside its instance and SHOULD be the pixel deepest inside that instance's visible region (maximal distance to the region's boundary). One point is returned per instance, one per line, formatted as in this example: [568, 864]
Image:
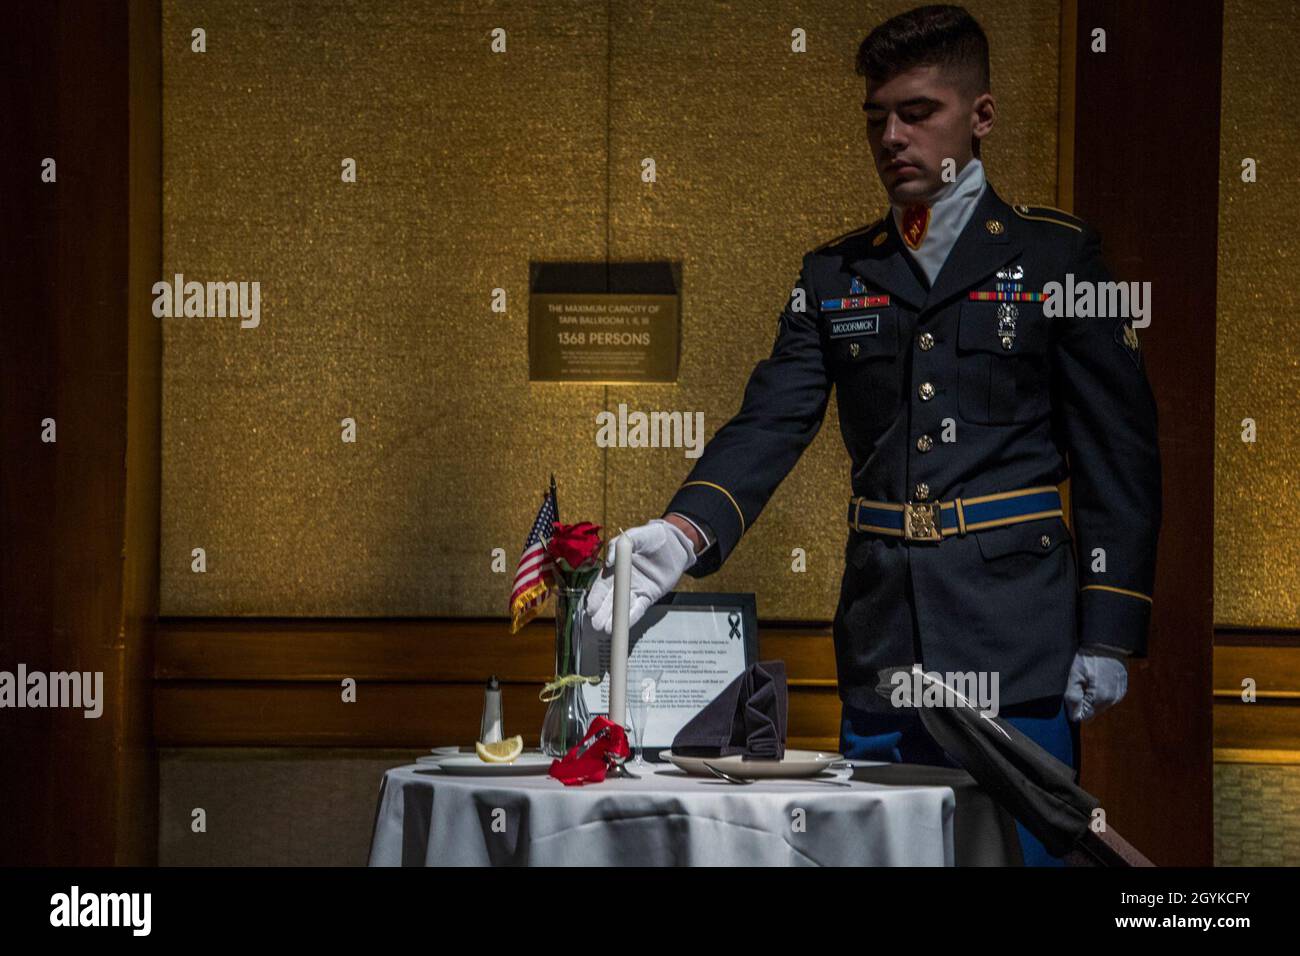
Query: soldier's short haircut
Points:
[938, 35]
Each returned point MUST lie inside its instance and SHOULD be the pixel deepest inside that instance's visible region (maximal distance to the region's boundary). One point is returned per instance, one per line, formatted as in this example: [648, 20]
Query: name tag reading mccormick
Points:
[856, 325]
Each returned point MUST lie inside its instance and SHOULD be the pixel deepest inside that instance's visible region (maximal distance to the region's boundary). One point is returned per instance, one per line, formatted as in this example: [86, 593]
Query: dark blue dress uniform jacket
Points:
[1069, 398]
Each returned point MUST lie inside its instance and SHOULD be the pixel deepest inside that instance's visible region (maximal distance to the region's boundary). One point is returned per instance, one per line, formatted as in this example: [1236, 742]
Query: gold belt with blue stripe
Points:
[935, 520]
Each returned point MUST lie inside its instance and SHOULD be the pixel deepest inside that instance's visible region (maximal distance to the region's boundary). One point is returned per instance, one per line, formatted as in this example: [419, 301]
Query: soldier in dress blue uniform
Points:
[963, 405]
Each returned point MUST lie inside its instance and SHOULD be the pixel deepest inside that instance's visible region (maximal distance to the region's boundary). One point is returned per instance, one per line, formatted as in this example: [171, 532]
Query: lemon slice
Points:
[503, 751]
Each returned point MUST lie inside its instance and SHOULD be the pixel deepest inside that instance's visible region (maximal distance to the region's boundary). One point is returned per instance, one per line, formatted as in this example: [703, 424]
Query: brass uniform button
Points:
[922, 491]
[926, 391]
[926, 341]
[924, 443]
[995, 227]
[1006, 342]
[1045, 541]
[854, 349]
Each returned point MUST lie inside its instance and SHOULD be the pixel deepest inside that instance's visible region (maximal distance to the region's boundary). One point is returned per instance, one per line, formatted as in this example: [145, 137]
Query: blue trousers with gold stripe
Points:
[902, 738]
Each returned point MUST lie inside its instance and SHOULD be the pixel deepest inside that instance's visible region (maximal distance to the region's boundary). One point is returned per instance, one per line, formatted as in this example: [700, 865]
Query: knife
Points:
[603, 732]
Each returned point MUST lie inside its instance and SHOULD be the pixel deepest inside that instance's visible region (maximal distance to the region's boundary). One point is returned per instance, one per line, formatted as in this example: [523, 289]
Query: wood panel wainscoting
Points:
[1267, 730]
[278, 682]
[262, 682]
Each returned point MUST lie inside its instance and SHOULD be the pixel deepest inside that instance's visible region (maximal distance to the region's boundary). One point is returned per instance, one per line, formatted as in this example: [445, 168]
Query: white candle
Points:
[618, 637]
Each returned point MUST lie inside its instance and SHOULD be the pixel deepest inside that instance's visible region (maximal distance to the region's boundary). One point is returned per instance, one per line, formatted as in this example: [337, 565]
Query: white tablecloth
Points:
[428, 818]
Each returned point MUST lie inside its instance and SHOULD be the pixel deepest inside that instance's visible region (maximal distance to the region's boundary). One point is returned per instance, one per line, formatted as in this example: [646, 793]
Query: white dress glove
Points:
[661, 554]
[1096, 683]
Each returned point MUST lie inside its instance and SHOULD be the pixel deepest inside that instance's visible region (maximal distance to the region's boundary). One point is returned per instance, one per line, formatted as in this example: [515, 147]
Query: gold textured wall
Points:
[376, 295]
[1256, 550]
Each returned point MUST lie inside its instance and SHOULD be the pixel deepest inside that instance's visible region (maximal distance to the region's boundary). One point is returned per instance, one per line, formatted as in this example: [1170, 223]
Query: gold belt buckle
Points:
[922, 521]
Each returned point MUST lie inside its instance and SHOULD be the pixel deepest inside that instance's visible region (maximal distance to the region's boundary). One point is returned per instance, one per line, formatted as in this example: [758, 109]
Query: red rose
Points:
[573, 547]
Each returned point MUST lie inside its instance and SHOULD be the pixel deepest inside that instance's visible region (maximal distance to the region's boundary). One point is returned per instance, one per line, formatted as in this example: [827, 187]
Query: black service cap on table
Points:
[1035, 787]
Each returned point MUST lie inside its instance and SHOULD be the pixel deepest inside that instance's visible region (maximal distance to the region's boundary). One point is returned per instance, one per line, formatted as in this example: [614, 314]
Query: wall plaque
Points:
[613, 323]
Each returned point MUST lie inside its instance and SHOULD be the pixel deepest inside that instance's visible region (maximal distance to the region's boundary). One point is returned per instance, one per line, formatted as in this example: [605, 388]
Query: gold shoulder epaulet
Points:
[850, 234]
[1049, 214]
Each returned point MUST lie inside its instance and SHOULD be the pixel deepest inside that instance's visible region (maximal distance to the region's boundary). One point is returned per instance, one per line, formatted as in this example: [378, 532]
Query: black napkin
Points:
[747, 718]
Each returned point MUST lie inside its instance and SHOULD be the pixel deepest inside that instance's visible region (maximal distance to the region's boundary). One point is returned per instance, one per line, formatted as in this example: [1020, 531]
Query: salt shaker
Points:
[489, 728]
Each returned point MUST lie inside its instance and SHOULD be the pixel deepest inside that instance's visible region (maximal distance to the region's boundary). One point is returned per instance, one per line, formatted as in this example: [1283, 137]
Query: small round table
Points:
[427, 817]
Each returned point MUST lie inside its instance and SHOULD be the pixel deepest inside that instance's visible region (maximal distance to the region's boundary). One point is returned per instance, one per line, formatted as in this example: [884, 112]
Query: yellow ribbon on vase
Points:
[559, 683]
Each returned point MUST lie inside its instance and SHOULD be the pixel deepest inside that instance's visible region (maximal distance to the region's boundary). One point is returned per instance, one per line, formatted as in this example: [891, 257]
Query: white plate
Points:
[438, 753]
[469, 765]
[796, 763]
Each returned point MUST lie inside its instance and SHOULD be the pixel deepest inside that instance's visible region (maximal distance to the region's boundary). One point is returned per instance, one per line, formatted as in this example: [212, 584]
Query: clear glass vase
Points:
[567, 718]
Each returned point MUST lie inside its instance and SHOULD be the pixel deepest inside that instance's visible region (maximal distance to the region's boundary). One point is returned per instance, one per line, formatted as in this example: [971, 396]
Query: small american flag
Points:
[535, 574]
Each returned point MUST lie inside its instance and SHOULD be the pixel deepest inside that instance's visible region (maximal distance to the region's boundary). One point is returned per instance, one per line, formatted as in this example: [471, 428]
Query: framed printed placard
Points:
[683, 652]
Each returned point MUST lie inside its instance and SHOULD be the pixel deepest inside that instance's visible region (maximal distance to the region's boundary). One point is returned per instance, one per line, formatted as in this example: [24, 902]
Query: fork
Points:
[740, 780]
